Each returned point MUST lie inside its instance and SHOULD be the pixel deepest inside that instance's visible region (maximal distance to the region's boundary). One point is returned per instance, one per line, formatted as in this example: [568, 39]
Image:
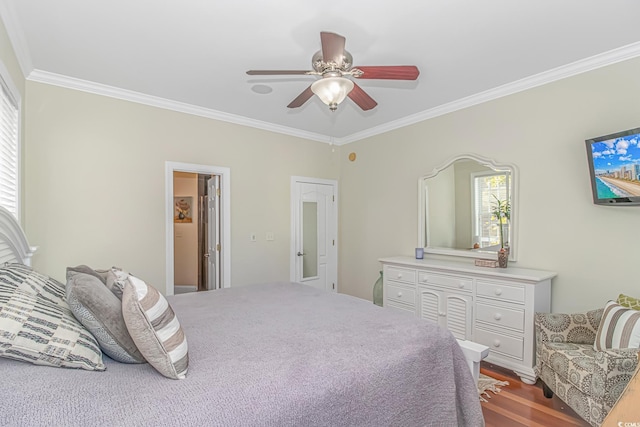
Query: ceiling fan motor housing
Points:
[321, 67]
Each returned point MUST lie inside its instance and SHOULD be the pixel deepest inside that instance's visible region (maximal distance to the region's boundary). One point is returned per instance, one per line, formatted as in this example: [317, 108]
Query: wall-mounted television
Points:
[614, 166]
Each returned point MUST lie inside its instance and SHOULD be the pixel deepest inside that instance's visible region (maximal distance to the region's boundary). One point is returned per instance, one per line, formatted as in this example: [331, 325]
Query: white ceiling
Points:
[192, 55]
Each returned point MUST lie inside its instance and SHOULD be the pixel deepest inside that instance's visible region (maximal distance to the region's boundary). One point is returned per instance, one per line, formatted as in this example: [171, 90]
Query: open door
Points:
[213, 236]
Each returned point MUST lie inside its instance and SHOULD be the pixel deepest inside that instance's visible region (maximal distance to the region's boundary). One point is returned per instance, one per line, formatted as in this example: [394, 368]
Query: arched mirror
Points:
[468, 208]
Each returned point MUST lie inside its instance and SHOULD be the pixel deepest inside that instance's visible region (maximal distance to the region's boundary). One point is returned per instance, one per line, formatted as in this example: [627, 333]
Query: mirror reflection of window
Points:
[488, 188]
[452, 222]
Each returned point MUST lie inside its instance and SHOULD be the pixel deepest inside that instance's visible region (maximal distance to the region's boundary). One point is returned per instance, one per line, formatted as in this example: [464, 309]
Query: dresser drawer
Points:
[500, 344]
[451, 282]
[500, 291]
[400, 294]
[400, 274]
[500, 316]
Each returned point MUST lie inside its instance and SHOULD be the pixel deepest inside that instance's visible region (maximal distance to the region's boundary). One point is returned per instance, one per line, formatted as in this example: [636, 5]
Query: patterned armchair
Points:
[587, 380]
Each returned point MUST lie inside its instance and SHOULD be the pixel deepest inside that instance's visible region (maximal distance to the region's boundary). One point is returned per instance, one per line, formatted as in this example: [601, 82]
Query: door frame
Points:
[294, 213]
[225, 218]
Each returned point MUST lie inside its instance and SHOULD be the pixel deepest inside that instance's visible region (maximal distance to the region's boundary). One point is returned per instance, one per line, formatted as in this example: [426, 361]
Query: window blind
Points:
[9, 150]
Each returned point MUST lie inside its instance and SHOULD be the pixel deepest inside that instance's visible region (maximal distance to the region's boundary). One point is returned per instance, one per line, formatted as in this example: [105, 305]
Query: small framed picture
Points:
[182, 209]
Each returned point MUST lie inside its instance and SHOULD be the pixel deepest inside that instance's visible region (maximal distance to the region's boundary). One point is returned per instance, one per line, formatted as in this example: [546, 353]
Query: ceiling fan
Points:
[333, 63]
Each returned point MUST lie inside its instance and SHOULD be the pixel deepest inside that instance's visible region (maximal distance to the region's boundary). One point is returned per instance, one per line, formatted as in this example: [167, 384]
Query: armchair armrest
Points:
[613, 370]
[577, 328]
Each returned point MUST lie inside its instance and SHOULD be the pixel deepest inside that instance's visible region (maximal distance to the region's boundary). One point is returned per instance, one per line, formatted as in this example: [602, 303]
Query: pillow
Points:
[114, 275]
[629, 302]
[619, 328]
[101, 313]
[37, 326]
[154, 327]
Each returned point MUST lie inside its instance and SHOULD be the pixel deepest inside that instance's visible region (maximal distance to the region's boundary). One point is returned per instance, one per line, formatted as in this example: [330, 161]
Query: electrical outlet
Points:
[253, 237]
[270, 236]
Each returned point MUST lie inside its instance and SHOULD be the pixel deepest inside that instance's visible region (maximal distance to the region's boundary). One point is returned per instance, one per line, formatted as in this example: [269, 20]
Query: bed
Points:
[273, 354]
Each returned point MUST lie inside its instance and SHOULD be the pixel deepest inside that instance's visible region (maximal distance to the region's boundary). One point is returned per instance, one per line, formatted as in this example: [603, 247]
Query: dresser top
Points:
[470, 268]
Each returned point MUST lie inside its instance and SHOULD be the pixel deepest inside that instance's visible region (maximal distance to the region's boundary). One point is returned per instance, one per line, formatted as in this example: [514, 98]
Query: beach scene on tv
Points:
[616, 163]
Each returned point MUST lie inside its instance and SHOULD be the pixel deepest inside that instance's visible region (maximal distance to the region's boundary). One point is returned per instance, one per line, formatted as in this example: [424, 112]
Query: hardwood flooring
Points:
[520, 404]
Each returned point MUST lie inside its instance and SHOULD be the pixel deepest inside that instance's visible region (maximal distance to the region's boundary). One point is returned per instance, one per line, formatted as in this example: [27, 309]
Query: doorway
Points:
[198, 227]
[314, 250]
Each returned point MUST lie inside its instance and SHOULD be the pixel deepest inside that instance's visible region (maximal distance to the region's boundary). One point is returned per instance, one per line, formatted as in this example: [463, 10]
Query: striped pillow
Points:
[154, 327]
[619, 328]
[37, 325]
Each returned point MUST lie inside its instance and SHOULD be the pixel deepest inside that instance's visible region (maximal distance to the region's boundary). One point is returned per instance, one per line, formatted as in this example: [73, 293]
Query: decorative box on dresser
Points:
[491, 306]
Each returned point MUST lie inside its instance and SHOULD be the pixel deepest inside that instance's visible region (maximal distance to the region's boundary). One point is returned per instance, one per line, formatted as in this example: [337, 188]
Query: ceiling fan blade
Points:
[391, 72]
[275, 72]
[301, 99]
[360, 97]
[332, 47]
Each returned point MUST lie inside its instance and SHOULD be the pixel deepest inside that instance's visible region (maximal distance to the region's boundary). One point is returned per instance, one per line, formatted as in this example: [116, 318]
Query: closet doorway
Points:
[197, 228]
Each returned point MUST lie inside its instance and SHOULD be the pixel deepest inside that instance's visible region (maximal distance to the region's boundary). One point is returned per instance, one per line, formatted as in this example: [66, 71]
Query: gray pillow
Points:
[37, 326]
[101, 313]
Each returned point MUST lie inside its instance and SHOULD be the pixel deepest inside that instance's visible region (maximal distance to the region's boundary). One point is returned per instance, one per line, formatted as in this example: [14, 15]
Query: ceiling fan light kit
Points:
[332, 90]
[333, 63]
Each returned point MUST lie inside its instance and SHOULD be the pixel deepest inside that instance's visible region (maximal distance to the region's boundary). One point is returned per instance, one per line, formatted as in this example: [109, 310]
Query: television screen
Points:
[614, 165]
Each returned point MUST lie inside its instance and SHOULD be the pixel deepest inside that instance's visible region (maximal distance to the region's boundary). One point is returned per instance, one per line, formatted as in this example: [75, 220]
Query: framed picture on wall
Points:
[182, 211]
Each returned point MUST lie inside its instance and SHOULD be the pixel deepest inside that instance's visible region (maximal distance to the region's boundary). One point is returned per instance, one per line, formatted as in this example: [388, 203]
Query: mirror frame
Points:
[422, 214]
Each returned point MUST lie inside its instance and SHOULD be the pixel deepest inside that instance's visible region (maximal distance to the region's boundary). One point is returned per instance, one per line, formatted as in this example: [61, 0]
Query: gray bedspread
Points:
[278, 354]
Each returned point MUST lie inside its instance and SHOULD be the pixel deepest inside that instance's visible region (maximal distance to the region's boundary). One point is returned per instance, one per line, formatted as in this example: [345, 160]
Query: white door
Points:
[314, 250]
[213, 238]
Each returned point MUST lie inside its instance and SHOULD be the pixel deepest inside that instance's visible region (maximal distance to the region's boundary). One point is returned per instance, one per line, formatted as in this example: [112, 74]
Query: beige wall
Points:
[594, 249]
[96, 187]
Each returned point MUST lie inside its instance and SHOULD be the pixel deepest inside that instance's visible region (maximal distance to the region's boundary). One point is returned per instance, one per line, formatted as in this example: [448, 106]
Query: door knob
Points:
[300, 254]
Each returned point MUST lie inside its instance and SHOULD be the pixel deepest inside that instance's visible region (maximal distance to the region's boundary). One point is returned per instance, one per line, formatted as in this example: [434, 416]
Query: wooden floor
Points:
[520, 404]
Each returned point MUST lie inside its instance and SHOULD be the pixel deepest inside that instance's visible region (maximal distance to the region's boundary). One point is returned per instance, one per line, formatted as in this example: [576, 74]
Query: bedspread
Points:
[277, 354]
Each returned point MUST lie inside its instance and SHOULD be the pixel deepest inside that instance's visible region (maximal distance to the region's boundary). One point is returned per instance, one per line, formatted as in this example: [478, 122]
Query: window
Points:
[9, 144]
[487, 189]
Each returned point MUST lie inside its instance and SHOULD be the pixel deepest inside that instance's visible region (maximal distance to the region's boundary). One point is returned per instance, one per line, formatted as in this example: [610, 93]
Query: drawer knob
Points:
[399, 275]
[497, 316]
[498, 291]
[399, 294]
[496, 343]
[461, 285]
[425, 280]
[442, 313]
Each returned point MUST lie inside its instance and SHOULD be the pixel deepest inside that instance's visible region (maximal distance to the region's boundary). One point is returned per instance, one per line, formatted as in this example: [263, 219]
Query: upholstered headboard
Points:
[14, 246]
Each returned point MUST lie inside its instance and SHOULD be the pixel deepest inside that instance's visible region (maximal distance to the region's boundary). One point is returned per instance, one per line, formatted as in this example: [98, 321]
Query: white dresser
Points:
[491, 306]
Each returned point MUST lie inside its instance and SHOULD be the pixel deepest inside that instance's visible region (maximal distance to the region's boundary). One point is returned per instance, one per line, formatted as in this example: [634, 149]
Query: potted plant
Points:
[501, 209]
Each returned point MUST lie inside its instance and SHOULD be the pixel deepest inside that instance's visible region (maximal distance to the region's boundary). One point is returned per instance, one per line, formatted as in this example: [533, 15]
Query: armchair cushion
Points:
[619, 328]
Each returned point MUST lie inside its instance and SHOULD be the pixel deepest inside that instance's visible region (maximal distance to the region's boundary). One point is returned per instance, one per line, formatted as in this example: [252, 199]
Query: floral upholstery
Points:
[587, 380]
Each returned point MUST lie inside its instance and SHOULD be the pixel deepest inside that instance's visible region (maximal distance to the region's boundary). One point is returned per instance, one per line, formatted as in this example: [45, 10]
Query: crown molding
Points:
[559, 73]
[588, 64]
[16, 36]
[154, 101]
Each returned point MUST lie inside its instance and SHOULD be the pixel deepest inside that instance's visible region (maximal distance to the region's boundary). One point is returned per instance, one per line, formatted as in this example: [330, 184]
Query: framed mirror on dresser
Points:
[468, 209]
[456, 208]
